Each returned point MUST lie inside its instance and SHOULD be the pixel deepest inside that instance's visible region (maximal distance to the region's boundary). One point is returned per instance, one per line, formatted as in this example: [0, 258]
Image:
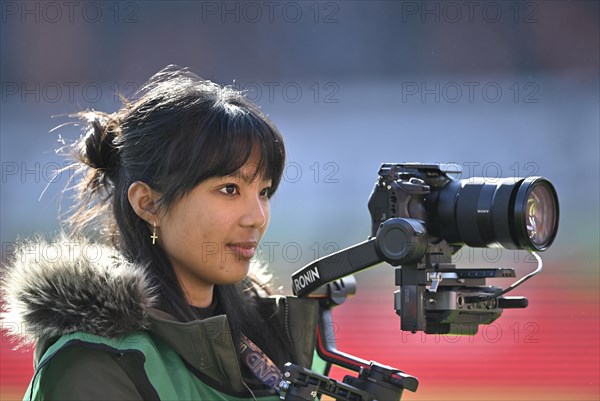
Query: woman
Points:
[177, 183]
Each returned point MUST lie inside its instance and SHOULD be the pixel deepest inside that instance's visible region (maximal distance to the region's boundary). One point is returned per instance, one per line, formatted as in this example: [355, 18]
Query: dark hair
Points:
[177, 131]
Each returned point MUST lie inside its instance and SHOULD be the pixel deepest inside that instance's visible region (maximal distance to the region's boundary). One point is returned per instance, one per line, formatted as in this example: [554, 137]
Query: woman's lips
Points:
[245, 249]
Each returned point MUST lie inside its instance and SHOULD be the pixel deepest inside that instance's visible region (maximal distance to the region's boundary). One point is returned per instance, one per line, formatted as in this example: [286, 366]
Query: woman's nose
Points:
[255, 212]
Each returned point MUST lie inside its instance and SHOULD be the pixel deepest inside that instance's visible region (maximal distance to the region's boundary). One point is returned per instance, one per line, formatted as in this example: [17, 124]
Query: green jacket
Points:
[98, 336]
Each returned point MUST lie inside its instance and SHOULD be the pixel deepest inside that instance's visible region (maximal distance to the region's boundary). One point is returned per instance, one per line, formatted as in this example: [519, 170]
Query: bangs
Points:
[230, 137]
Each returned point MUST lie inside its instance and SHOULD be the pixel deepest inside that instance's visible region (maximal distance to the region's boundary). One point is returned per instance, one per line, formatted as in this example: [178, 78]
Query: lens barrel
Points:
[515, 213]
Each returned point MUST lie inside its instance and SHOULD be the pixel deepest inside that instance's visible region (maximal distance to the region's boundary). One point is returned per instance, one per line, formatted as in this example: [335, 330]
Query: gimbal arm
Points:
[398, 241]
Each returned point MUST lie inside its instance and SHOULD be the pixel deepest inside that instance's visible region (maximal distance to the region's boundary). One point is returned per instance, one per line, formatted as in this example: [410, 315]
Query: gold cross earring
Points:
[154, 236]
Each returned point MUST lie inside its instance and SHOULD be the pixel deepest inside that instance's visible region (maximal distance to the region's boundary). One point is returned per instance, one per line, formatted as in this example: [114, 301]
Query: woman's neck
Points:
[199, 297]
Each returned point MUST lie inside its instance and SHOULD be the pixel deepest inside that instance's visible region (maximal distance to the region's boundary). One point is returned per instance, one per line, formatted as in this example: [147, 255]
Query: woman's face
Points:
[211, 234]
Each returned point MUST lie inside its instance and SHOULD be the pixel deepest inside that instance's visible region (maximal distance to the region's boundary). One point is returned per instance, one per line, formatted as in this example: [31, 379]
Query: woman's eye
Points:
[230, 189]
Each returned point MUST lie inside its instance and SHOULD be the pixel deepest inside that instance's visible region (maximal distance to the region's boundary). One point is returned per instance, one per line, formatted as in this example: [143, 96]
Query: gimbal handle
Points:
[327, 350]
[374, 381]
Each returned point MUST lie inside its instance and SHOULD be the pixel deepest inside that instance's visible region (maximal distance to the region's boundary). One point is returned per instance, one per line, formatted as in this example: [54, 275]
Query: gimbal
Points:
[434, 296]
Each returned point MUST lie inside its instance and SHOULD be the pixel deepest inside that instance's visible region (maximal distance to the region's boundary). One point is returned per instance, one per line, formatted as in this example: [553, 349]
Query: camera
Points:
[420, 217]
[512, 213]
[515, 213]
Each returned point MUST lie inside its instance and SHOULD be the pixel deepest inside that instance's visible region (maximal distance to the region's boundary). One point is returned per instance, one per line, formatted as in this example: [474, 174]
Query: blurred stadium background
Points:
[503, 88]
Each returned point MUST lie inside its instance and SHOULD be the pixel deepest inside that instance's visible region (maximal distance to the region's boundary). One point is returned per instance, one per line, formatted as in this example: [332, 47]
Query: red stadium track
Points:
[551, 350]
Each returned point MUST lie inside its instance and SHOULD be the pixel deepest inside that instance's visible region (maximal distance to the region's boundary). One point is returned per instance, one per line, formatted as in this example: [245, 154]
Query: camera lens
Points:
[515, 213]
[536, 211]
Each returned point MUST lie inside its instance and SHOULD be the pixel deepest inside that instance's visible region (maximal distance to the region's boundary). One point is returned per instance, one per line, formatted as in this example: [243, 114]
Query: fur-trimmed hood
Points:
[54, 288]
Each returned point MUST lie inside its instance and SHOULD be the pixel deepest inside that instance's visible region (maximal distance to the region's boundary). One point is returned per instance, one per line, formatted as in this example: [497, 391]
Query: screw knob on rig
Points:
[401, 241]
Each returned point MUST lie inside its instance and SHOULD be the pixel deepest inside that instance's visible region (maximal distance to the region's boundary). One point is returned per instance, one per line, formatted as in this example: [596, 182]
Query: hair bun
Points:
[98, 149]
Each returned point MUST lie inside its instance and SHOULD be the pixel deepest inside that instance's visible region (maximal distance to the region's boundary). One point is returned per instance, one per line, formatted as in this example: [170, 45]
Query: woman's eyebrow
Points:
[248, 178]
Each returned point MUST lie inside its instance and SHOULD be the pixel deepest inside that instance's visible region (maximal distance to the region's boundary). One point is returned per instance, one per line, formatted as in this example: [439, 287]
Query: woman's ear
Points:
[142, 199]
